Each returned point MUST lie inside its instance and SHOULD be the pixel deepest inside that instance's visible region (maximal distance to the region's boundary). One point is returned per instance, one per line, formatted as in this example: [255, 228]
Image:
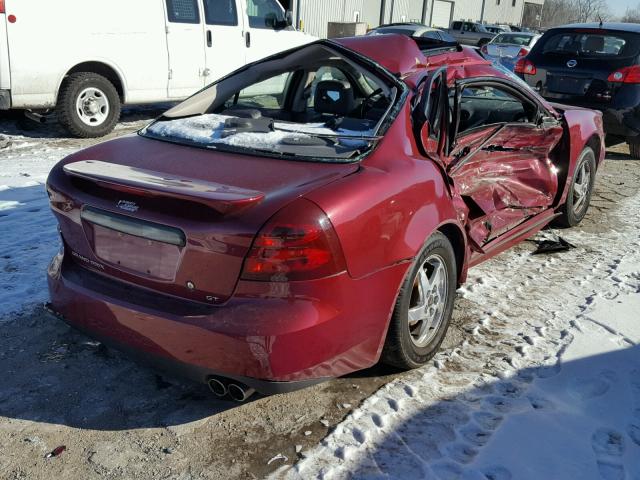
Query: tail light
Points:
[484, 49]
[525, 66]
[626, 75]
[297, 243]
[2, 6]
[523, 52]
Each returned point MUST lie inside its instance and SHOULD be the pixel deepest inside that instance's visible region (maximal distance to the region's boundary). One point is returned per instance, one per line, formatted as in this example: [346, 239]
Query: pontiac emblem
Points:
[128, 206]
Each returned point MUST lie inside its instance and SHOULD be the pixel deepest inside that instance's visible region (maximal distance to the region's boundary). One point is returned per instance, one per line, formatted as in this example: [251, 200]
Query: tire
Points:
[634, 148]
[88, 105]
[575, 208]
[405, 347]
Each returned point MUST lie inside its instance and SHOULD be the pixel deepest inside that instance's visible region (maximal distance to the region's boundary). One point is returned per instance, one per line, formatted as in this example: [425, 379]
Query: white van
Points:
[86, 58]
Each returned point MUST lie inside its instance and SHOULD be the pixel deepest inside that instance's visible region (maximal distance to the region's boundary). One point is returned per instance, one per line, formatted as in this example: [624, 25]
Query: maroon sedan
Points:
[314, 212]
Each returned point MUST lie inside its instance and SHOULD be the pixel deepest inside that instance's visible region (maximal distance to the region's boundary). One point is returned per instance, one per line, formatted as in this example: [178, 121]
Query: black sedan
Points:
[591, 65]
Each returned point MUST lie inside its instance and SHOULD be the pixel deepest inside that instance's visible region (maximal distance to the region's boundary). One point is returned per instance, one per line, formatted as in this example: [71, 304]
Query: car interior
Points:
[483, 105]
[325, 99]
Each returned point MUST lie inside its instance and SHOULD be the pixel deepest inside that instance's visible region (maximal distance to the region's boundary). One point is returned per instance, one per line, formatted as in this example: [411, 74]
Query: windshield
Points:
[513, 39]
[408, 30]
[313, 103]
[594, 44]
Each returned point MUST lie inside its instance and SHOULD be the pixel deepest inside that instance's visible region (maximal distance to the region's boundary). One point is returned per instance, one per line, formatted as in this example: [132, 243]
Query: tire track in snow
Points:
[396, 434]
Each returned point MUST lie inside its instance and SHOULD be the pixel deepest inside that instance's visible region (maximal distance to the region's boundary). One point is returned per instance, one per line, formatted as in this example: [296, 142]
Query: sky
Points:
[618, 7]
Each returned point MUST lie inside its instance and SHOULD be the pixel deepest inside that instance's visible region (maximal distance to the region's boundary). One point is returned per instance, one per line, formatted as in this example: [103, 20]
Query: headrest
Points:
[334, 97]
[594, 43]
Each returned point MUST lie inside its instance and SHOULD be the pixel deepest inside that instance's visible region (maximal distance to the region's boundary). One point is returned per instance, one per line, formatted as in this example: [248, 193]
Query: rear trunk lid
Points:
[174, 219]
[574, 65]
[504, 50]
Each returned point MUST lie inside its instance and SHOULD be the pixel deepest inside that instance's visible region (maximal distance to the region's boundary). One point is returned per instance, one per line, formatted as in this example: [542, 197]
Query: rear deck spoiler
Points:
[222, 198]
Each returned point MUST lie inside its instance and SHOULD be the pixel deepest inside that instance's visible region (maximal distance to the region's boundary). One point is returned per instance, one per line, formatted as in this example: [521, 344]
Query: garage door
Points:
[441, 14]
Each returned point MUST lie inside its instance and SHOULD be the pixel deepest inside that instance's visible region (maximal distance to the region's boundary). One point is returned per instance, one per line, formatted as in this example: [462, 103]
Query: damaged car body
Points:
[314, 212]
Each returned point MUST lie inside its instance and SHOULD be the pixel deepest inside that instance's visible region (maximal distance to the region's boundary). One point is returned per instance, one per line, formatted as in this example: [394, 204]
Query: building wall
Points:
[403, 11]
[468, 10]
[313, 15]
[503, 11]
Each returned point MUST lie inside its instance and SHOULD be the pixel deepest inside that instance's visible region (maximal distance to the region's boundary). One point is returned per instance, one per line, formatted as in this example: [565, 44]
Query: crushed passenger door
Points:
[499, 161]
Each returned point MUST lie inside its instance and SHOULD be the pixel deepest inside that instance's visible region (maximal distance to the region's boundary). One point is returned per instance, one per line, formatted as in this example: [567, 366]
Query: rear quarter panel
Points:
[584, 128]
[385, 212]
[49, 38]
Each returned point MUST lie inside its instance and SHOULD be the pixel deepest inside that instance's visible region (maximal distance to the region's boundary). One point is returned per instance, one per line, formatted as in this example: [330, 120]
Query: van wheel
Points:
[88, 105]
[424, 306]
[580, 190]
[634, 148]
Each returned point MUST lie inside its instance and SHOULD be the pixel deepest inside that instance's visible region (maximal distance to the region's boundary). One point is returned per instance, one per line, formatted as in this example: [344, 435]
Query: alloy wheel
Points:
[581, 187]
[428, 300]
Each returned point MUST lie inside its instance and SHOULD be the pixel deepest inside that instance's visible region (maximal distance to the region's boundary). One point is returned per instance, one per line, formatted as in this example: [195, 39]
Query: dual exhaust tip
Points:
[238, 392]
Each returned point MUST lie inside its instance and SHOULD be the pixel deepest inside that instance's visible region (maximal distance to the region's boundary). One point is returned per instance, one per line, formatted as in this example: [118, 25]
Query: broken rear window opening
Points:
[320, 102]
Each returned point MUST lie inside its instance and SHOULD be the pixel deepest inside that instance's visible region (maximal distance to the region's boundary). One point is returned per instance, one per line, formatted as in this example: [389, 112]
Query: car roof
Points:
[408, 26]
[619, 26]
[408, 57]
[520, 34]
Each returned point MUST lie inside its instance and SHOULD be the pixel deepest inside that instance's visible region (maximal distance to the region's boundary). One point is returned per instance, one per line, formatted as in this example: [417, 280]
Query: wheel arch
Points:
[595, 143]
[110, 72]
[458, 241]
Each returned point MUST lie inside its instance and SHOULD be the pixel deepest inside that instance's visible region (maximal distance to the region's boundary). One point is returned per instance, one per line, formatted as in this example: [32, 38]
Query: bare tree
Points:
[558, 12]
[590, 10]
[632, 15]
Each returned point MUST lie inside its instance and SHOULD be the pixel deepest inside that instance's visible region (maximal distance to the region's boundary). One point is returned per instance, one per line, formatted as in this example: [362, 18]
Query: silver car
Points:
[507, 48]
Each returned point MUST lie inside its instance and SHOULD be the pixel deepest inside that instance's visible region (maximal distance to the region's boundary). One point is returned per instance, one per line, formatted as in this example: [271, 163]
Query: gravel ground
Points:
[121, 420]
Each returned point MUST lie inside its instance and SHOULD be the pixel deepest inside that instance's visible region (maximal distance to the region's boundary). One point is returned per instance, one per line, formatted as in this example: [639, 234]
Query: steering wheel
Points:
[370, 100]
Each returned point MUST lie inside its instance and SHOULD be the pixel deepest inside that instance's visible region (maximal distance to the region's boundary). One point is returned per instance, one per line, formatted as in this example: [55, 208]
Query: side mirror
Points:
[272, 21]
[547, 121]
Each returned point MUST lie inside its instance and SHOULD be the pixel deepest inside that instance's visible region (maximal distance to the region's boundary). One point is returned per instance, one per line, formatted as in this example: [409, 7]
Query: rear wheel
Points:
[88, 105]
[424, 306]
[634, 148]
[580, 190]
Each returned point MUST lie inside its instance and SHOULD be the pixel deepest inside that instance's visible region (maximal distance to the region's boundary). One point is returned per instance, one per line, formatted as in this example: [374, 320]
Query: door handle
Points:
[247, 39]
[209, 39]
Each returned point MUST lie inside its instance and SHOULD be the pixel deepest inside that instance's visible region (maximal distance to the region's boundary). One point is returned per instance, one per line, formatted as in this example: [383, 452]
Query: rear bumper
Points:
[620, 115]
[5, 99]
[272, 337]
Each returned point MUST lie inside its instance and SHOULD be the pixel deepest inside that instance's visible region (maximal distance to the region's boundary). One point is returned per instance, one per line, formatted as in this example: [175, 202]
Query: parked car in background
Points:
[416, 30]
[595, 66]
[470, 33]
[271, 240]
[508, 48]
[85, 60]
[495, 29]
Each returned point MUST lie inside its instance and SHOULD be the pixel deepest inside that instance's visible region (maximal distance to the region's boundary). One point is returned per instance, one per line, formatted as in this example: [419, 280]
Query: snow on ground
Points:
[28, 234]
[563, 404]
